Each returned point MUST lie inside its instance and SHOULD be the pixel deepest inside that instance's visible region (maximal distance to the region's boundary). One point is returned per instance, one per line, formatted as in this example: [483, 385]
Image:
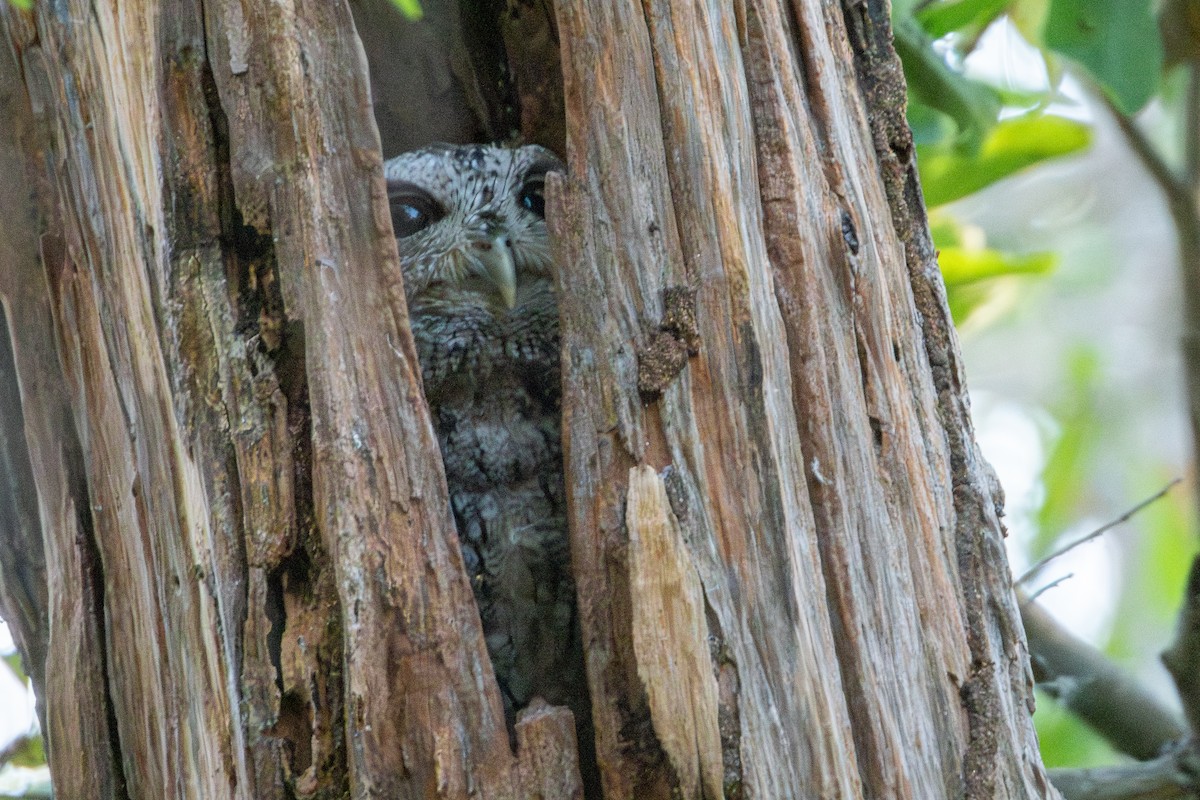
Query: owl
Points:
[478, 273]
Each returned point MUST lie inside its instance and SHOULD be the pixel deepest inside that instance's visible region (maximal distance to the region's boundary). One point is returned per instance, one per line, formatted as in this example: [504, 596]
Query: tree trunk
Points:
[225, 544]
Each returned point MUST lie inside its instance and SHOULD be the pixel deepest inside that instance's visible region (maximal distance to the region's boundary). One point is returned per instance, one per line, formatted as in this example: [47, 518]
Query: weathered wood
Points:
[785, 541]
[1001, 751]
[670, 638]
[806, 442]
[264, 493]
[628, 234]
[59, 550]
[155, 632]
[23, 586]
[863, 394]
[548, 765]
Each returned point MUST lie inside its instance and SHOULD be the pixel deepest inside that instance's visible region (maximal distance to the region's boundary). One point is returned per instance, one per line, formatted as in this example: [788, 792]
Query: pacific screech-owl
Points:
[469, 222]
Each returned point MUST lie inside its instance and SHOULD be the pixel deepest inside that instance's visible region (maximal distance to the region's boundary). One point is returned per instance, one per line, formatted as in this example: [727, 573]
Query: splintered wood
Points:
[837, 514]
[548, 762]
[670, 638]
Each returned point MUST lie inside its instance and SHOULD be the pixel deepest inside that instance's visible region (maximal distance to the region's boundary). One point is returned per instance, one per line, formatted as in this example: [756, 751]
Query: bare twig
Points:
[1092, 687]
[1050, 586]
[1165, 778]
[1036, 568]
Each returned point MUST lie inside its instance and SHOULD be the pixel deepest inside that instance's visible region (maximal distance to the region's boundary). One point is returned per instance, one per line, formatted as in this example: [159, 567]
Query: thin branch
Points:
[1182, 658]
[1172, 185]
[1057, 581]
[1191, 126]
[1179, 192]
[1103, 529]
[1092, 687]
[14, 748]
[1186, 213]
[1168, 777]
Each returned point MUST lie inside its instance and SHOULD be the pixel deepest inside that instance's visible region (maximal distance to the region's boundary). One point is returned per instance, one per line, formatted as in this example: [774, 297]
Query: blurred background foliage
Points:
[1060, 261]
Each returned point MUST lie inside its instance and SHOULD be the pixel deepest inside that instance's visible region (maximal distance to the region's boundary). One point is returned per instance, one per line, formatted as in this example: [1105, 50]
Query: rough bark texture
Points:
[818, 447]
[224, 537]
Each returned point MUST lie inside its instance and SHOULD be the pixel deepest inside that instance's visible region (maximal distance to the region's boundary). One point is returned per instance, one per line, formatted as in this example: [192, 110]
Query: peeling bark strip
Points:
[786, 546]
[66, 613]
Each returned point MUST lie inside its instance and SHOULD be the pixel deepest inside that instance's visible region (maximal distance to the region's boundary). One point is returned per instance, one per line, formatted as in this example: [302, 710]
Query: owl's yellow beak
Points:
[499, 269]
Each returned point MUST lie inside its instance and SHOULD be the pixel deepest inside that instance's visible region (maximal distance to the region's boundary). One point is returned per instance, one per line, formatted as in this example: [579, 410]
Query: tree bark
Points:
[234, 572]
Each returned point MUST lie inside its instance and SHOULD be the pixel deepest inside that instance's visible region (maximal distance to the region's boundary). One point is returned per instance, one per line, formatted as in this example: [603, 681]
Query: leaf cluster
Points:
[971, 133]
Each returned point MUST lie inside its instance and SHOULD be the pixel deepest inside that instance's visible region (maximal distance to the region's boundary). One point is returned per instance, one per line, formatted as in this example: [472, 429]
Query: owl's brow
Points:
[512, 167]
[479, 181]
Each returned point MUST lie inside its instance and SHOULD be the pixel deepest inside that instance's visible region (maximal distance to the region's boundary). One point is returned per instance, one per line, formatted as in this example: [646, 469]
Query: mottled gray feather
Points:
[491, 376]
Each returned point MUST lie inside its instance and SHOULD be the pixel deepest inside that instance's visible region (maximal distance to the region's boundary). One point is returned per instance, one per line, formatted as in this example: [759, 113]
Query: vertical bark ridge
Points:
[192, 285]
[80, 727]
[1000, 755]
[838, 467]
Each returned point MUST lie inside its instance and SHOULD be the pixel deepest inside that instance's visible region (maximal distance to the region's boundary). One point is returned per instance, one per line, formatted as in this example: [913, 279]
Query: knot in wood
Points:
[666, 351]
[660, 359]
[679, 316]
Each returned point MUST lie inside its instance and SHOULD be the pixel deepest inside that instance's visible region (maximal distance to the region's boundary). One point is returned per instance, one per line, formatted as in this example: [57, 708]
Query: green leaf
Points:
[1012, 145]
[970, 16]
[971, 272]
[1029, 17]
[970, 269]
[945, 230]
[13, 660]
[1116, 41]
[1164, 571]
[904, 9]
[410, 9]
[962, 266]
[964, 300]
[24, 5]
[1030, 101]
[1157, 547]
[930, 126]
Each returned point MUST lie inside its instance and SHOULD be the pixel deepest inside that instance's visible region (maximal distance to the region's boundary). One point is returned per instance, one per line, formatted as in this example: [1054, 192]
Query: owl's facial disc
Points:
[470, 224]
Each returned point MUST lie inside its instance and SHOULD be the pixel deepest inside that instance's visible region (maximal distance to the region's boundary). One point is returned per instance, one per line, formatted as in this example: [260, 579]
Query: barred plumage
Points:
[477, 273]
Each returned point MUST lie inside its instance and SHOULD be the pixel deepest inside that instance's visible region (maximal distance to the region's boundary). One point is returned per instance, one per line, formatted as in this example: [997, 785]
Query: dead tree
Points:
[226, 547]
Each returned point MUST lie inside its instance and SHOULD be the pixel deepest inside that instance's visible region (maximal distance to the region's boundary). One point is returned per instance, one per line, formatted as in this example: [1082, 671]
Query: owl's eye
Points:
[413, 209]
[532, 194]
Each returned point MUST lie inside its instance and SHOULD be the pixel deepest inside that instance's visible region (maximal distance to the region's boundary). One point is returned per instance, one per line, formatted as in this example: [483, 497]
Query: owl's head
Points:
[470, 223]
